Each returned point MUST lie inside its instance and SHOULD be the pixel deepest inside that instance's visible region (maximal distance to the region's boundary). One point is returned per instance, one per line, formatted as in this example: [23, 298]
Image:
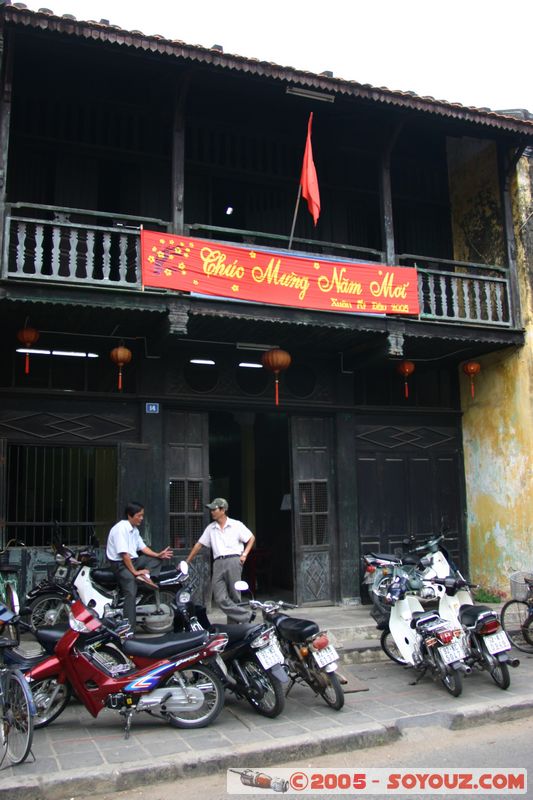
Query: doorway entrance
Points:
[249, 466]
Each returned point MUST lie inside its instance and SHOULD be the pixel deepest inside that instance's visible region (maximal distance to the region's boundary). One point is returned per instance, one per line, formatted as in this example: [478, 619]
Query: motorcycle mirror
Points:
[12, 599]
[183, 568]
[241, 586]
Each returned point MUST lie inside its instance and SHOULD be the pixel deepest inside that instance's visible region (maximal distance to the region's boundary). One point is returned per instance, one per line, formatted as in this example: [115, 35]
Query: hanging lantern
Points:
[121, 356]
[276, 361]
[406, 368]
[27, 337]
[471, 368]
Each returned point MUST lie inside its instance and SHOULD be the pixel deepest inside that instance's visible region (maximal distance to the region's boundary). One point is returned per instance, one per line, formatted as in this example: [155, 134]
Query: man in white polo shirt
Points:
[230, 542]
[131, 559]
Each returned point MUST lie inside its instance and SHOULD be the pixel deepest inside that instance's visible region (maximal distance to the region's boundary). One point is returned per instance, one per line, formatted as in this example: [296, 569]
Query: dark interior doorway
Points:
[249, 465]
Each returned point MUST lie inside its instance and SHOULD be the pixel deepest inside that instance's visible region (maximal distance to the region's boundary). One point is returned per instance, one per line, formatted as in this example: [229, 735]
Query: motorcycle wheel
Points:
[499, 672]
[49, 609]
[329, 688]
[203, 678]
[389, 647]
[451, 679]
[48, 709]
[161, 623]
[272, 703]
[516, 618]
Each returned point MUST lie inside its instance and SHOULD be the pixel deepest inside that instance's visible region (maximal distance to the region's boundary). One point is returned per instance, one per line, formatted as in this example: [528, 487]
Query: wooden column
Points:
[507, 169]
[385, 194]
[178, 156]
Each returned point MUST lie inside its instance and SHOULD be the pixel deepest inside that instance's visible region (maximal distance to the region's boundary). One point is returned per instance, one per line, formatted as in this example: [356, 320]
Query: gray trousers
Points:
[225, 572]
[129, 584]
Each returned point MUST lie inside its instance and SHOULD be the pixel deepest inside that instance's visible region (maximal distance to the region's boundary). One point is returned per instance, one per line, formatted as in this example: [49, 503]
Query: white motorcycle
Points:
[424, 639]
[97, 588]
[487, 643]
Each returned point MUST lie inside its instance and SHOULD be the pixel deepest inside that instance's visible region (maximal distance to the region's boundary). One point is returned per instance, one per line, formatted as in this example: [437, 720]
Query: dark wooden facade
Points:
[104, 131]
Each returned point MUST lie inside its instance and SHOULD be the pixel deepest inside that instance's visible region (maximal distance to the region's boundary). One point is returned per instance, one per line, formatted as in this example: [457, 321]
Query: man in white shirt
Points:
[124, 543]
[230, 542]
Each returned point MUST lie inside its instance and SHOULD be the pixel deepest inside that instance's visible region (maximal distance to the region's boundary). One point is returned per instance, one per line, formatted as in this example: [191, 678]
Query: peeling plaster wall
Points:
[498, 435]
[475, 201]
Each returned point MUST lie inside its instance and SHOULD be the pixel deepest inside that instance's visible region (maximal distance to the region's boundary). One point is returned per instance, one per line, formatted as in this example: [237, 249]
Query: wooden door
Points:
[313, 508]
[410, 482]
[187, 481]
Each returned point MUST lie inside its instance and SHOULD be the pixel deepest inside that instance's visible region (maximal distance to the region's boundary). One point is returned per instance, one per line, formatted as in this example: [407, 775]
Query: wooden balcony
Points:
[75, 246]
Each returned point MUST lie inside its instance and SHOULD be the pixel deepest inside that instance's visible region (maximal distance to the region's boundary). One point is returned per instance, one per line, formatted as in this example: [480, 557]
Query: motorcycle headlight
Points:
[76, 624]
[183, 597]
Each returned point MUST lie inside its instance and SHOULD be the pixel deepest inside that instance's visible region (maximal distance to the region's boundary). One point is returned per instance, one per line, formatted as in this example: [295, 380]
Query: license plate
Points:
[270, 655]
[325, 656]
[496, 642]
[452, 652]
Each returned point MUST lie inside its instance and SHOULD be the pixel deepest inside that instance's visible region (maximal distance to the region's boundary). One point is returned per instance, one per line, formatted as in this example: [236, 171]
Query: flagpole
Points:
[295, 215]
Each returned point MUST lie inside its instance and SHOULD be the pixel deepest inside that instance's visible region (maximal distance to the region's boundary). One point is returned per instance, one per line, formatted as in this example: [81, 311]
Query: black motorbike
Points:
[252, 657]
[309, 656]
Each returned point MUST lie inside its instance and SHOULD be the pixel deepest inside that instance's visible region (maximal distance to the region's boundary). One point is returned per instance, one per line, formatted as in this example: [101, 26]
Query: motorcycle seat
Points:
[422, 617]
[386, 557]
[49, 636]
[104, 576]
[297, 630]
[238, 631]
[469, 615]
[166, 574]
[167, 646]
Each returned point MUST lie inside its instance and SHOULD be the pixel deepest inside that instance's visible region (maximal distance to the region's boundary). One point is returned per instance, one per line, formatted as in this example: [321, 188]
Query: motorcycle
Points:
[378, 571]
[309, 657]
[169, 676]
[98, 588]
[253, 659]
[487, 643]
[424, 639]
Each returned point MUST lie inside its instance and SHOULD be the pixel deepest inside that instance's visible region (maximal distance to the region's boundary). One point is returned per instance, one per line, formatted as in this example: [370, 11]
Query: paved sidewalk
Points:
[77, 755]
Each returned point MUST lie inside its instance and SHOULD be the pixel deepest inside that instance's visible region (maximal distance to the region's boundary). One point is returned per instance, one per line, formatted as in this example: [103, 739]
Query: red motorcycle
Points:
[168, 676]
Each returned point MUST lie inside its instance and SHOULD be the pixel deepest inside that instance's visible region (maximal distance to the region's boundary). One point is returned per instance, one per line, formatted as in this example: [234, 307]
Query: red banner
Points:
[245, 273]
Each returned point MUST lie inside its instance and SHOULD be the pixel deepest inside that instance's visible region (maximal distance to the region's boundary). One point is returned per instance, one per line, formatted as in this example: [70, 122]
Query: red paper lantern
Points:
[406, 368]
[276, 361]
[27, 337]
[121, 356]
[471, 368]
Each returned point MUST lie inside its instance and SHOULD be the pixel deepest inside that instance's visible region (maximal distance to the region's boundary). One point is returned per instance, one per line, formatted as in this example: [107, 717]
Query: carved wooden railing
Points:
[459, 291]
[75, 246]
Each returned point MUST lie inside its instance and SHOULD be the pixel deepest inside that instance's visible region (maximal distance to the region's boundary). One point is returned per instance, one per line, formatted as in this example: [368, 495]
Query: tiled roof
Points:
[45, 19]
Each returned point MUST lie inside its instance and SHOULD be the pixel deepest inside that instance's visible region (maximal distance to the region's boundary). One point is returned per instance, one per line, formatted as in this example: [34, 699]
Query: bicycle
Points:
[517, 614]
[17, 707]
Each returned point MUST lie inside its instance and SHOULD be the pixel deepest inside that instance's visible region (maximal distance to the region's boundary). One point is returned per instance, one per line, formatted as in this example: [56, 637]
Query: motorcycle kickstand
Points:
[127, 713]
[293, 681]
[421, 672]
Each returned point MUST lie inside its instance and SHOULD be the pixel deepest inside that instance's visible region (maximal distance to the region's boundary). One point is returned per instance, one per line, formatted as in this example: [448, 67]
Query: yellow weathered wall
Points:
[498, 437]
[475, 201]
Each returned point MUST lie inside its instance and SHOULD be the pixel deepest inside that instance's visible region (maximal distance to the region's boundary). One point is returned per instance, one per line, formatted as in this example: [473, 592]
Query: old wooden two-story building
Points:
[106, 132]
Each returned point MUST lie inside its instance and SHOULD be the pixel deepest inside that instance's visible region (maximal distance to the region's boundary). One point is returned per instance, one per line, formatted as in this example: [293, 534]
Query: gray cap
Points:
[218, 502]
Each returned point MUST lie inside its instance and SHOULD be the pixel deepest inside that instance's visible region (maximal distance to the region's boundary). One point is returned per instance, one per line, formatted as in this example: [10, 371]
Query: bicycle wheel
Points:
[515, 616]
[17, 718]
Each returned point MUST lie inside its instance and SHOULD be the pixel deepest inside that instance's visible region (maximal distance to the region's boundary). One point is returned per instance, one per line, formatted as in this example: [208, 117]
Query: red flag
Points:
[309, 180]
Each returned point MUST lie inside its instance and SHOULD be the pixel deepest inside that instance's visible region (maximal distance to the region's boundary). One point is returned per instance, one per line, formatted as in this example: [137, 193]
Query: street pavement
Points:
[77, 756]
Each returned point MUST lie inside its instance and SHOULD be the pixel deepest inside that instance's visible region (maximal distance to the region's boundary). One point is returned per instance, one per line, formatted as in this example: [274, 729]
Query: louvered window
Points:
[186, 513]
